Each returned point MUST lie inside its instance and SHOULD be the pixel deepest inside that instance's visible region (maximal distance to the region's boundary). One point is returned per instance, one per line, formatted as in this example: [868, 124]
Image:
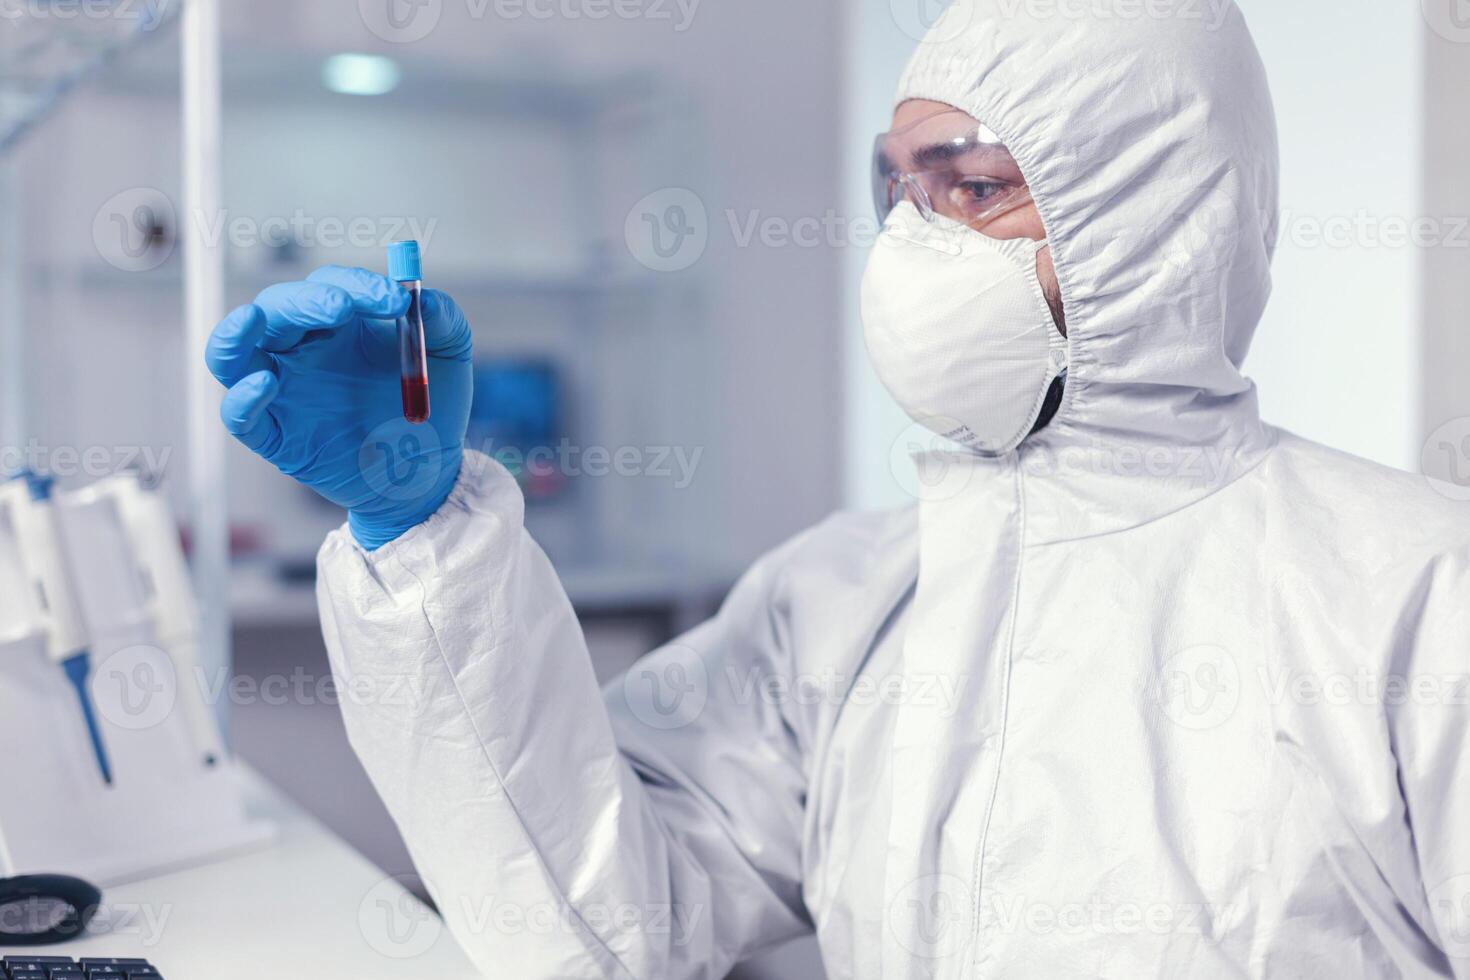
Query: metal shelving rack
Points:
[48, 58]
[46, 54]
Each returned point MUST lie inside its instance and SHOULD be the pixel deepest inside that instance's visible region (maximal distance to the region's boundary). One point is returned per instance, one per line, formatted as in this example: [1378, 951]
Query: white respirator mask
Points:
[959, 331]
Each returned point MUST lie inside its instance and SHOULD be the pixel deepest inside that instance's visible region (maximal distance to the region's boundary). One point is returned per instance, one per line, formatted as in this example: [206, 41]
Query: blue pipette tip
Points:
[77, 668]
[38, 484]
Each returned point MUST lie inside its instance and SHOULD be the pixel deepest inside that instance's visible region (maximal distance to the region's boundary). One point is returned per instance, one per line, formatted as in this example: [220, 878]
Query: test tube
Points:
[413, 359]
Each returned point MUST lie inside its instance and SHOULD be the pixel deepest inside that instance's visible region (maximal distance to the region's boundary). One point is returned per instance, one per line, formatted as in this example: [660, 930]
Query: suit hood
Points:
[1147, 135]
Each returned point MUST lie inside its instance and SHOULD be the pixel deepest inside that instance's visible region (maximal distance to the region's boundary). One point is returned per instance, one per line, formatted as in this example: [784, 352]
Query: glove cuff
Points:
[372, 531]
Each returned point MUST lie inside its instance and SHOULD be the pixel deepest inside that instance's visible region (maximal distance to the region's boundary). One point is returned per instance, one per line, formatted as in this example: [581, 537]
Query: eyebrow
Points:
[949, 151]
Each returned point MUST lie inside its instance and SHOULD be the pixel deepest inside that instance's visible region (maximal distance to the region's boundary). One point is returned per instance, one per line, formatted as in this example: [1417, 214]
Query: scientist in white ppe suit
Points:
[1141, 687]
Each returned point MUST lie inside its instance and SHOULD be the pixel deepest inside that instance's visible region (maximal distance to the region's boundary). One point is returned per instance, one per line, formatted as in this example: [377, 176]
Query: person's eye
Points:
[980, 191]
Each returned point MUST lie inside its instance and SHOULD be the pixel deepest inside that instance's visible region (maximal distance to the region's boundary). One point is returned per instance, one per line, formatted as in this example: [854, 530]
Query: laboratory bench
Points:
[304, 905]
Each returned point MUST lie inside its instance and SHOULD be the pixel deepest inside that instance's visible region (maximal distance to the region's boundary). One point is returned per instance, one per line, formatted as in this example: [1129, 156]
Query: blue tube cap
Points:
[403, 262]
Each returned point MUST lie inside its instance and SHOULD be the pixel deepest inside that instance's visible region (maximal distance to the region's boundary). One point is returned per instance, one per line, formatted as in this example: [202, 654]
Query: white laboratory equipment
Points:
[46, 601]
[160, 592]
[166, 805]
[136, 782]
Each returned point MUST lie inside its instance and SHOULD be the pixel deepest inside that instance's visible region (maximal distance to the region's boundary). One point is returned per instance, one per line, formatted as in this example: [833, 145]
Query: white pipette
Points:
[31, 523]
[168, 591]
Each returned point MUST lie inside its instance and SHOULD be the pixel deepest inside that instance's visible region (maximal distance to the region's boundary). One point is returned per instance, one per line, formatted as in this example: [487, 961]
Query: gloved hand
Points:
[312, 372]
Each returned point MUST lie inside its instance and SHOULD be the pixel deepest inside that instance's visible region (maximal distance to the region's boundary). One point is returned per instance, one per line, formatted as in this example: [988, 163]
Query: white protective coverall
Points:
[1168, 693]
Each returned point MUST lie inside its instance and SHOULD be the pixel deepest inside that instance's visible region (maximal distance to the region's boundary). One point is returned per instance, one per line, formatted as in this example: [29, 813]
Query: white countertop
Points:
[306, 906]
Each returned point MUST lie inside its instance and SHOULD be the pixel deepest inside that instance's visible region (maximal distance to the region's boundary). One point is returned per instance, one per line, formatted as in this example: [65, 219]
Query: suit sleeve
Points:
[1429, 719]
[651, 830]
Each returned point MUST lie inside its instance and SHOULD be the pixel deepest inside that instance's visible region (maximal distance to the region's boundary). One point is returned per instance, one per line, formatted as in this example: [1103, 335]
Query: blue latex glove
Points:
[312, 372]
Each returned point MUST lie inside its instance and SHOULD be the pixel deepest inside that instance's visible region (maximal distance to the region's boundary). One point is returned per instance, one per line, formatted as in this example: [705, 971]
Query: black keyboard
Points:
[66, 968]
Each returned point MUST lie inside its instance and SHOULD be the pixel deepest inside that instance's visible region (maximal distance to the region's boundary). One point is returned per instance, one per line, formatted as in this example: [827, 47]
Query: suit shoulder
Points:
[1348, 497]
[846, 537]
[847, 553]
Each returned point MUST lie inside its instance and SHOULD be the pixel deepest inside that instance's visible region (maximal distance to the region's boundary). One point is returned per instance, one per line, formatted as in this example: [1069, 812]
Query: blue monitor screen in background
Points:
[516, 417]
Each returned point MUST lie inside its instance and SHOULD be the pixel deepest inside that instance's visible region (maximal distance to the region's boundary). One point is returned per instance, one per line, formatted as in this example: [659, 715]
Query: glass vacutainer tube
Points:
[413, 360]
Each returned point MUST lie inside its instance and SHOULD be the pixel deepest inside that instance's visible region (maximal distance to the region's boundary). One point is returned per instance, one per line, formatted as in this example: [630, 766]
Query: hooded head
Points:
[1146, 133]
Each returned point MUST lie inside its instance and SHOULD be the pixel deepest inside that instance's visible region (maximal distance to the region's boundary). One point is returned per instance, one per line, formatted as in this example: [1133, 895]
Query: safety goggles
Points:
[947, 164]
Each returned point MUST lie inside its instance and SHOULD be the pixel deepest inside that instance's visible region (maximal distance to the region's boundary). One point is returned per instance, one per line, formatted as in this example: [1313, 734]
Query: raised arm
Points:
[656, 834]
[663, 841]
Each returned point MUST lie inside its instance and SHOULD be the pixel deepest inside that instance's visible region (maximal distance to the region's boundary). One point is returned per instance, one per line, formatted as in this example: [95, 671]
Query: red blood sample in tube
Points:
[415, 399]
[413, 361]
[413, 358]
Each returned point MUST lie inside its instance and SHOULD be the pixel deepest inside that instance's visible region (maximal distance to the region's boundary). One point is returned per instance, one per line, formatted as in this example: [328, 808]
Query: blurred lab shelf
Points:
[54, 46]
[268, 73]
[99, 277]
[674, 596]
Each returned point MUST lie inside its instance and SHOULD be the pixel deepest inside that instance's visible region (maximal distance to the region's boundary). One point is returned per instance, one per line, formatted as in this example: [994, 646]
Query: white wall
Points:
[879, 44]
[1337, 356]
[1446, 270]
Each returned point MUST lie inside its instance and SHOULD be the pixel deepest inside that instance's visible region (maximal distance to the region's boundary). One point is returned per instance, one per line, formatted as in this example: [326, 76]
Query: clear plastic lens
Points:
[947, 164]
